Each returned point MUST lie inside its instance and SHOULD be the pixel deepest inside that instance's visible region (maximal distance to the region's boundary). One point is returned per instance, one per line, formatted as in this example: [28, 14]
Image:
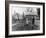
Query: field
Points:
[19, 26]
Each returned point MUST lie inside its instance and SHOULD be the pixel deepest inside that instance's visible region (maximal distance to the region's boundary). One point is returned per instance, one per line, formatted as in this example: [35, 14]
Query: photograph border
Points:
[7, 18]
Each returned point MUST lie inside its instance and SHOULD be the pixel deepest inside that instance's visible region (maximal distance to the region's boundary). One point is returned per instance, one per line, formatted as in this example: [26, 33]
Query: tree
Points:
[38, 12]
[17, 15]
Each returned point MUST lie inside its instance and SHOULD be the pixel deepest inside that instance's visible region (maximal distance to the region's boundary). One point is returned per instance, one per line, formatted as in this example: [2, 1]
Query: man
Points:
[33, 20]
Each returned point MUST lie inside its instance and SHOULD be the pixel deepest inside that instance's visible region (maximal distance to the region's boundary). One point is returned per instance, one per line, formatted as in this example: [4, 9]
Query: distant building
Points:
[29, 13]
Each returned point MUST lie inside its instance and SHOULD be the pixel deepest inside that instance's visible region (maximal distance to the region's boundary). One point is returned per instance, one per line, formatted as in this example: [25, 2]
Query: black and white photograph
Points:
[25, 18]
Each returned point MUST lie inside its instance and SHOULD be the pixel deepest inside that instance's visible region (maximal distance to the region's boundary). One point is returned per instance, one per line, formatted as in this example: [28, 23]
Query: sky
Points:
[20, 10]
